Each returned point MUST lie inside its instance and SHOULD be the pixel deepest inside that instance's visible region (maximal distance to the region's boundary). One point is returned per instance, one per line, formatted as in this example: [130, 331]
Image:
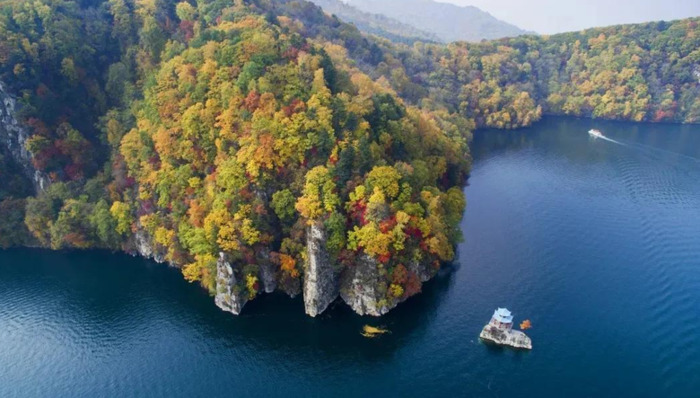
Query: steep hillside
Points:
[250, 145]
[645, 72]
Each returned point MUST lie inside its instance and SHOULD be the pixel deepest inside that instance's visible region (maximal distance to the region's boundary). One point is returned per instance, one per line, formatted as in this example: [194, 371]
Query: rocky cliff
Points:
[363, 287]
[268, 271]
[144, 246]
[320, 277]
[13, 138]
[425, 272]
[229, 295]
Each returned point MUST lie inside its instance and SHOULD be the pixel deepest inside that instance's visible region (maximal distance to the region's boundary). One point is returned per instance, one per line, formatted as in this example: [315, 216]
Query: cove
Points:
[596, 242]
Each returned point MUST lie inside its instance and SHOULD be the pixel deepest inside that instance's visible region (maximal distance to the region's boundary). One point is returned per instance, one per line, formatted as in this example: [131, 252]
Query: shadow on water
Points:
[111, 287]
[335, 332]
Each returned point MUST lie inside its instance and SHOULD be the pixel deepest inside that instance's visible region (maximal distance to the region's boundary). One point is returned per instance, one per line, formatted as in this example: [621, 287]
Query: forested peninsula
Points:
[263, 145]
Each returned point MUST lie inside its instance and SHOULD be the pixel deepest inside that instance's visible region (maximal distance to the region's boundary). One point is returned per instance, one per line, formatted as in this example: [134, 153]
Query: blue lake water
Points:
[596, 242]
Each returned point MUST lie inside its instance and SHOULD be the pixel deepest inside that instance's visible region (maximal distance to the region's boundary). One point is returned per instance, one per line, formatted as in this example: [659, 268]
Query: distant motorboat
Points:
[595, 133]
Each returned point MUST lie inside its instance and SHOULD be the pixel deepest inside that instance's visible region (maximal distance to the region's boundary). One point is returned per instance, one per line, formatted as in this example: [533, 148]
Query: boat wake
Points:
[652, 149]
[613, 141]
[646, 148]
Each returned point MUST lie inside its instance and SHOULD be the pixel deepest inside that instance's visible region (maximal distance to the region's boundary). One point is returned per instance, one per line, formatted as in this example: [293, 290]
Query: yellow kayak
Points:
[371, 331]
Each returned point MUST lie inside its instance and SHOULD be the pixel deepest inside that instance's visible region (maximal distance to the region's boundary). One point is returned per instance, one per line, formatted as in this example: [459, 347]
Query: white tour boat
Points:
[596, 133]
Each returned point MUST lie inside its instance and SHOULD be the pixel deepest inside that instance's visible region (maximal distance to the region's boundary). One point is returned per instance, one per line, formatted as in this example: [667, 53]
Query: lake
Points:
[596, 242]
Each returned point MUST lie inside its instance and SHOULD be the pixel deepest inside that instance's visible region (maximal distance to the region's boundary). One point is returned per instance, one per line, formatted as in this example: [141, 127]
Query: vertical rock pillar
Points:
[320, 277]
[229, 296]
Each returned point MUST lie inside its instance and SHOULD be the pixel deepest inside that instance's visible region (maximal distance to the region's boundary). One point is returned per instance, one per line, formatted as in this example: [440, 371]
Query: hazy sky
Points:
[553, 16]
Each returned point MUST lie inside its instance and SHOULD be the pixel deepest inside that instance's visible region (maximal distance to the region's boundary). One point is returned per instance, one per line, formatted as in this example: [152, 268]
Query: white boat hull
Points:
[595, 134]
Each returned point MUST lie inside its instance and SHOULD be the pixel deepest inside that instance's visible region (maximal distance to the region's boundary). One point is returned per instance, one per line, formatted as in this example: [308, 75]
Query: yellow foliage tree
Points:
[319, 196]
[121, 212]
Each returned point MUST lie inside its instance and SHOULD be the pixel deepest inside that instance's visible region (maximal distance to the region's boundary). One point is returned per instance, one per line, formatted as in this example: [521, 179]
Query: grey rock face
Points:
[320, 277]
[509, 337]
[229, 296]
[424, 271]
[14, 136]
[144, 246]
[268, 271]
[361, 288]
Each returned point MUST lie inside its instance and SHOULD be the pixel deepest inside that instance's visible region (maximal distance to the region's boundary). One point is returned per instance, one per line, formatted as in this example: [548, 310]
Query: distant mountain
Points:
[448, 21]
[376, 24]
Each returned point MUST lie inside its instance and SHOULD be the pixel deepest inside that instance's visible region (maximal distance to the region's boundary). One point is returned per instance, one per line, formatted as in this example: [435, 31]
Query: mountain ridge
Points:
[448, 21]
[376, 24]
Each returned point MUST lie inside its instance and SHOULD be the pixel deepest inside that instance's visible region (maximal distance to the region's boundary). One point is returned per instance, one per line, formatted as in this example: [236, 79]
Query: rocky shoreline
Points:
[361, 286]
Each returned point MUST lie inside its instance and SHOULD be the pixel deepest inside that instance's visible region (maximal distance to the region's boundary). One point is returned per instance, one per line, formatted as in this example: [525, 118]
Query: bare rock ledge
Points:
[512, 338]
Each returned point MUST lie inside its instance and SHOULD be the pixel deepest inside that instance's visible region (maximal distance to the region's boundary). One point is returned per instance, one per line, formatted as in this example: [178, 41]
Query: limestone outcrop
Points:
[507, 337]
[14, 136]
[144, 246]
[268, 271]
[320, 276]
[363, 287]
[230, 296]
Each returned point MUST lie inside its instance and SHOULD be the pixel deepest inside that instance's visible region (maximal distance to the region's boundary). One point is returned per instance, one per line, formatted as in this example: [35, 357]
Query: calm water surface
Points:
[596, 242]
